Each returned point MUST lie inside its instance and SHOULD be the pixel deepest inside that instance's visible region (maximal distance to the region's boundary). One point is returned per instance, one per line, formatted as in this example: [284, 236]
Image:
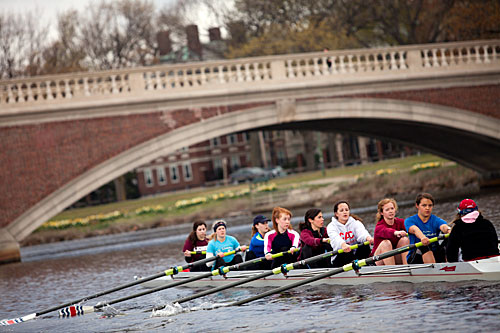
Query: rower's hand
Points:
[370, 239]
[325, 240]
[221, 254]
[187, 253]
[293, 249]
[425, 241]
[269, 256]
[346, 248]
[243, 248]
[400, 233]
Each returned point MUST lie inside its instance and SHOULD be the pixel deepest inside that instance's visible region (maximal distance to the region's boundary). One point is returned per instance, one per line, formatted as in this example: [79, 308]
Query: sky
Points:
[48, 10]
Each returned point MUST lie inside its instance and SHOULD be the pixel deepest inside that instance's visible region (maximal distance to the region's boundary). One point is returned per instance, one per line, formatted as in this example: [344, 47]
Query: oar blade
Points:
[6, 322]
[75, 310]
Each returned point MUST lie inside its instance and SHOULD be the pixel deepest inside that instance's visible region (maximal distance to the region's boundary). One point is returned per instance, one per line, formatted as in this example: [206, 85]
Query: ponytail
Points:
[254, 230]
[310, 215]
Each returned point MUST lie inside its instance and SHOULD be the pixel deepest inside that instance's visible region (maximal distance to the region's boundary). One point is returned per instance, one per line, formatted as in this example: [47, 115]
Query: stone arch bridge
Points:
[63, 136]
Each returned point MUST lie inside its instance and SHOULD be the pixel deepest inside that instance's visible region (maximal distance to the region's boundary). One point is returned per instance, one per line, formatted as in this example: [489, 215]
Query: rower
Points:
[390, 233]
[473, 235]
[314, 238]
[345, 230]
[196, 242]
[259, 229]
[282, 238]
[423, 226]
[221, 243]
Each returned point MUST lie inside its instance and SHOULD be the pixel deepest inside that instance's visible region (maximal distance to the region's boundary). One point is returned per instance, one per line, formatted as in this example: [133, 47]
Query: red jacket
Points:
[312, 239]
[384, 231]
[199, 246]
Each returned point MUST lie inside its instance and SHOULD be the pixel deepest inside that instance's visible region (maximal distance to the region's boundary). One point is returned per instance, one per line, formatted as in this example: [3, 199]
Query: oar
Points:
[357, 264]
[75, 310]
[198, 252]
[80, 310]
[274, 271]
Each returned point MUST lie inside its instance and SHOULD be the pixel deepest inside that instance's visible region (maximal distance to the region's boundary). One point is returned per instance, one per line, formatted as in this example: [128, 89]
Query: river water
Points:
[44, 280]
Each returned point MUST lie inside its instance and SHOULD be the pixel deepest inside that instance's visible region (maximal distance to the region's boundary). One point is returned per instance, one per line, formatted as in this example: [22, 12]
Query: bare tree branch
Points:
[22, 38]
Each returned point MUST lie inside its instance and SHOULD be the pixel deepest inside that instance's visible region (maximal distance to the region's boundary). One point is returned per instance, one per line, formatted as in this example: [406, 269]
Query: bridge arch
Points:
[446, 131]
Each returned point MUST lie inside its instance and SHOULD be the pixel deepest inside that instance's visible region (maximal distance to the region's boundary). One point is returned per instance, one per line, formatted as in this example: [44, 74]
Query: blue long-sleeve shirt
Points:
[257, 245]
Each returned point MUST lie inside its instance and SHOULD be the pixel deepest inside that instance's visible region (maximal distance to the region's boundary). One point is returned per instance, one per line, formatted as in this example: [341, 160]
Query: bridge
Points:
[63, 136]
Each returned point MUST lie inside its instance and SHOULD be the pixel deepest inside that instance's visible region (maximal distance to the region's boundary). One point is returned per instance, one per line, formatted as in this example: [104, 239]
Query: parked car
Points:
[251, 174]
[276, 171]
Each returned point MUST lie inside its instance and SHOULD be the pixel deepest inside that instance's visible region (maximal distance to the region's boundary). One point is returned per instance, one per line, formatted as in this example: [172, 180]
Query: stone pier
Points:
[9, 248]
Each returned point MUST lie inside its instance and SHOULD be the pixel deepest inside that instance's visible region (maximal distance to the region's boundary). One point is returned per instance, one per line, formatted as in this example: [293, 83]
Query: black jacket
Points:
[476, 240]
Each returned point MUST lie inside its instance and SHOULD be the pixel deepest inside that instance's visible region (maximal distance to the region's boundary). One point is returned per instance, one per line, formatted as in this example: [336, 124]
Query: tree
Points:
[470, 20]
[66, 53]
[118, 34]
[282, 40]
[21, 40]
[401, 22]
[287, 26]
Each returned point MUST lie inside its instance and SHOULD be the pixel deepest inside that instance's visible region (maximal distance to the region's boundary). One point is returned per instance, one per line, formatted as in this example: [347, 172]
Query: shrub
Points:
[425, 166]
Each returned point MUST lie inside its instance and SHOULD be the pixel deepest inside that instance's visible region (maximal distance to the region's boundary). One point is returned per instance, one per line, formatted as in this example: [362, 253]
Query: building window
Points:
[148, 177]
[235, 162]
[215, 142]
[281, 157]
[246, 136]
[218, 172]
[232, 139]
[188, 172]
[160, 174]
[174, 174]
[217, 162]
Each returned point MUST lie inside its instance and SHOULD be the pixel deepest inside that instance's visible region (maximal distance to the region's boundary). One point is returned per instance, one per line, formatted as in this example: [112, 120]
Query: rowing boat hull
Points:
[485, 270]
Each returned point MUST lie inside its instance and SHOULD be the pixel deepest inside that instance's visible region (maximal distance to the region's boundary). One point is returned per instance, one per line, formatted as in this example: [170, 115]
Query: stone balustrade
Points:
[56, 90]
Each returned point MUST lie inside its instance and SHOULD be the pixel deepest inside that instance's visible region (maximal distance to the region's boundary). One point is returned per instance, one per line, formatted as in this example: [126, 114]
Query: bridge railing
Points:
[158, 80]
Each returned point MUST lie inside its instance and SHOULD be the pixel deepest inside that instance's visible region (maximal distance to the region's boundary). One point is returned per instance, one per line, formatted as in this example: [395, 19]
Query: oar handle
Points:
[197, 252]
[235, 267]
[177, 269]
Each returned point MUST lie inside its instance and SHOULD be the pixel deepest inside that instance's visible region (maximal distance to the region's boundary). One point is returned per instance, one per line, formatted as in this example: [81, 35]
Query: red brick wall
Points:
[480, 99]
[36, 160]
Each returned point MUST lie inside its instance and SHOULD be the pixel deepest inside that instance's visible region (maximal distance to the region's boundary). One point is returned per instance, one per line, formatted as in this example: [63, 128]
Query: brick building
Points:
[210, 162]
[196, 165]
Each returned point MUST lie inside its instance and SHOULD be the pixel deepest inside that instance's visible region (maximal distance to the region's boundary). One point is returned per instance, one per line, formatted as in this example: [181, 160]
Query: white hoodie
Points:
[352, 232]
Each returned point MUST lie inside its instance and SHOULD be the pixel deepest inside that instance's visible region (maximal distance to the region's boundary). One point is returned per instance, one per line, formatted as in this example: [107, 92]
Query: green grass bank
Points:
[401, 178]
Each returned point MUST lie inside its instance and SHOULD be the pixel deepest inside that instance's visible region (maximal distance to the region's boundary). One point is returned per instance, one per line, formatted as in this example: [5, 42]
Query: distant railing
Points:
[144, 81]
